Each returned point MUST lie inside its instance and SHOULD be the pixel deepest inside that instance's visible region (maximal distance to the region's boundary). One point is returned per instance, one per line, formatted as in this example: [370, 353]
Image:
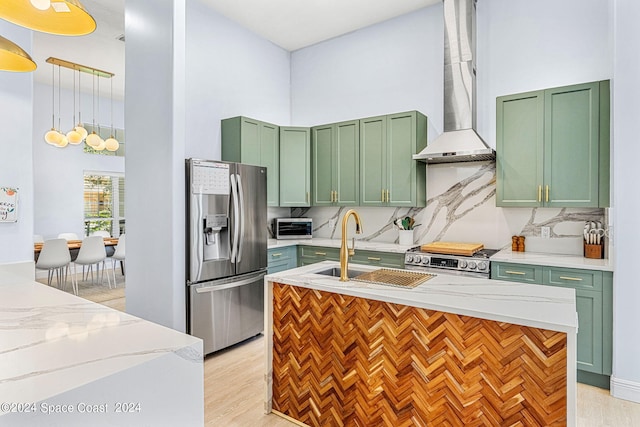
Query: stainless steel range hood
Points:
[459, 142]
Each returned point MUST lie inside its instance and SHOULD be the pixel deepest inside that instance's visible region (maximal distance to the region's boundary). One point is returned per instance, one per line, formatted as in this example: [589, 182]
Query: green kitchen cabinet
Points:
[253, 142]
[552, 147]
[594, 305]
[335, 165]
[295, 166]
[313, 254]
[377, 258]
[280, 259]
[388, 174]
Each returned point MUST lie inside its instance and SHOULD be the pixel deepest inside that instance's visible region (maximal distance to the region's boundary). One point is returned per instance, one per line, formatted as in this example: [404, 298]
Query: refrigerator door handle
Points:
[236, 217]
[198, 237]
[242, 215]
[247, 281]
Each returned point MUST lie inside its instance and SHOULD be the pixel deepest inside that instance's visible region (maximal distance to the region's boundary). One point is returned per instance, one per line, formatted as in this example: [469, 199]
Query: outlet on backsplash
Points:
[545, 232]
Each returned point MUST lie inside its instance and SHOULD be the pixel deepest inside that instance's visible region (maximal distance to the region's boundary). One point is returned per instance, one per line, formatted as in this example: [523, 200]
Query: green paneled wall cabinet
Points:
[335, 164]
[295, 170]
[253, 142]
[388, 175]
[552, 147]
[594, 304]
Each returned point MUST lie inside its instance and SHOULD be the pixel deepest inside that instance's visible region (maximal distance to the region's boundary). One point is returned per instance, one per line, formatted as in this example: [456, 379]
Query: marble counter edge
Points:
[553, 260]
[364, 245]
[442, 294]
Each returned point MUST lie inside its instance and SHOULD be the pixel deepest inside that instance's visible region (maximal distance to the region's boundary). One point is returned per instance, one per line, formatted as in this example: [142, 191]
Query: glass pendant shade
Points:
[101, 145]
[53, 137]
[74, 137]
[93, 139]
[13, 58]
[63, 141]
[64, 17]
[82, 131]
[112, 144]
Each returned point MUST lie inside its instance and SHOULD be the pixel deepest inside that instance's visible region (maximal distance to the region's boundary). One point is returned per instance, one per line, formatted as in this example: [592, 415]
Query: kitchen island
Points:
[66, 361]
[456, 350]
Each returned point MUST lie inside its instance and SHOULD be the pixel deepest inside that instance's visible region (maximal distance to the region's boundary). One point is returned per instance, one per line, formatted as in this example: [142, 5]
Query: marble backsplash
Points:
[461, 207]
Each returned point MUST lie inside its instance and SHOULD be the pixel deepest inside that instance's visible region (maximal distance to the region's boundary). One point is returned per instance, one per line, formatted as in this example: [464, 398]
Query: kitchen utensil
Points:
[405, 223]
[398, 224]
[411, 222]
[595, 235]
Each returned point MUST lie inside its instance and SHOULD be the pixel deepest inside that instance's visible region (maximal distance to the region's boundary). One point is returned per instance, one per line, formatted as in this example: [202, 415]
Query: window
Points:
[104, 203]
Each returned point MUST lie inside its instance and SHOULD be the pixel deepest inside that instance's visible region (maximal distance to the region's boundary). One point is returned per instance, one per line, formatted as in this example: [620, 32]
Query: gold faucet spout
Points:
[345, 252]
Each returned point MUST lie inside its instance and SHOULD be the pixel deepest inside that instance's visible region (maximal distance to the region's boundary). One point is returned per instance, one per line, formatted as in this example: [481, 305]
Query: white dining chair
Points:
[53, 257]
[118, 255]
[102, 233]
[92, 252]
[68, 236]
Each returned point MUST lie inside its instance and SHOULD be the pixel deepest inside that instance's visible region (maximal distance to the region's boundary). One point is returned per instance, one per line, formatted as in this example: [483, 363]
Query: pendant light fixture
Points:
[101, 144]
[53, 137]
[63, 142]
[80, 127]
[111, 143]
[13, 58]
[93, 139]
[73, 135]
[62, 17]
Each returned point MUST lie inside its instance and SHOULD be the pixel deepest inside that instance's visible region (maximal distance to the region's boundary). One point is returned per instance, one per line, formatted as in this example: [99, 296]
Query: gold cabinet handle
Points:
[539, 193]
[372, 258]
[331, 196]
[519, 273]
[387, 196]
[547, 194]
[276, 255]
[382, 196]
[335, 199]
[575, 279]
[321, 253]
[307, 197]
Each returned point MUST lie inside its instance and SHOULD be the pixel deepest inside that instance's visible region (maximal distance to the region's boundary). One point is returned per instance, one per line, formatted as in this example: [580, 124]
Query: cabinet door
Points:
[270, 158]
[322, 141]
[373, 161]
[295, 166]
[519, 149]
[590, 350]
[571, 146]
[401, 143]
[250, 142]
[347, 163]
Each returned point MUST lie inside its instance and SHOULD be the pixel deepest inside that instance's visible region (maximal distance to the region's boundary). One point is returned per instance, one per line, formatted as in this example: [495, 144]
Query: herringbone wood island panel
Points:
[341, 360]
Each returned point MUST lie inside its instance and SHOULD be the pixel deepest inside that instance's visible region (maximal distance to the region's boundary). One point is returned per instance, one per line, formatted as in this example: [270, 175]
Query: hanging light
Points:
[112, 144]
[93, 139]
[80, 127]
[53, 137]
[73, 136]
[62, 17]
[63, 141]
[13, 58]
[101, 143]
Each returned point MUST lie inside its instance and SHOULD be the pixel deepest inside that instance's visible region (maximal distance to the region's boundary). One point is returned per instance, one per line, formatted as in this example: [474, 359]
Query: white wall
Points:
[58, 172]
[187, 68]
[390, 67]
[626, 128]
[16, 166]
[231, 72]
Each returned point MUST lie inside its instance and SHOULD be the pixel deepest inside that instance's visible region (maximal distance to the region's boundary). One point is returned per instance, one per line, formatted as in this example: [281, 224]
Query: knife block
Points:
[593, 251]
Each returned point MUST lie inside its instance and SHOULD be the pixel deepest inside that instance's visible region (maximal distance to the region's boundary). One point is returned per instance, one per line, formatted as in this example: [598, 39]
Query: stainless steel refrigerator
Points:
[226, 251]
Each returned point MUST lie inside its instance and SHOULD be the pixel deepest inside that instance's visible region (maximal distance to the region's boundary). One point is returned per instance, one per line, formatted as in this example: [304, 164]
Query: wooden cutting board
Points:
[452, 248]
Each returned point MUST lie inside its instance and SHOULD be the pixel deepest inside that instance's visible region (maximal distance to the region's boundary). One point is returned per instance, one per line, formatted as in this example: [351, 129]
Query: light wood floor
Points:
[233, 382]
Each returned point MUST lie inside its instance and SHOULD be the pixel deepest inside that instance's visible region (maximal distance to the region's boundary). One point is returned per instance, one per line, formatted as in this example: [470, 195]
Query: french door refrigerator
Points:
[226, 251]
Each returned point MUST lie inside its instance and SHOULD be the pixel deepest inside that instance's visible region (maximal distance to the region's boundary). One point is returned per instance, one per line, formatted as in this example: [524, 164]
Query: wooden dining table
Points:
[75, 244]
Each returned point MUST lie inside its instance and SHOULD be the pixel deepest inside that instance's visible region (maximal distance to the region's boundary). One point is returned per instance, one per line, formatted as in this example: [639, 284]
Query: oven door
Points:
[435, 270]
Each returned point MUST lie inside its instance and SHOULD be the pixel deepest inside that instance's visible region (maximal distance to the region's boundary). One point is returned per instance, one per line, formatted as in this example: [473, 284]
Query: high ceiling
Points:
[290, 24]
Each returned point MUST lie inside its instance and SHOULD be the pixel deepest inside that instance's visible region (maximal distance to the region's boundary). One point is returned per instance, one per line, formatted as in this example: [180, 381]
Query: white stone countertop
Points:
[539, 306]
[52, 342]
[553, 260]
[335, 243]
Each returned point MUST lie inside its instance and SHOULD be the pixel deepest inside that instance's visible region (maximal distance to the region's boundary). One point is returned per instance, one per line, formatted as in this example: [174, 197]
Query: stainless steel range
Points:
[476, 265]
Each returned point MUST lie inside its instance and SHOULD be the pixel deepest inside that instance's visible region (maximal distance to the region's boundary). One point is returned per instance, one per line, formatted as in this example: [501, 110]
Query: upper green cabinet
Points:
[388, 174]
[295, 173]
[253, 142]
[553, 147]
[335, 164]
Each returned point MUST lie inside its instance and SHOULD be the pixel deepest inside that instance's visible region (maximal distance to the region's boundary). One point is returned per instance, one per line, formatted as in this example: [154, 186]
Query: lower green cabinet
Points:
[380, 259]
[594, 305]
[312, 254]
[280, 259]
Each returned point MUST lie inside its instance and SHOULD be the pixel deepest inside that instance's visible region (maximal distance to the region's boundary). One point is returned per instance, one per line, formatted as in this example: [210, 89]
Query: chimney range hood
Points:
[459, 142]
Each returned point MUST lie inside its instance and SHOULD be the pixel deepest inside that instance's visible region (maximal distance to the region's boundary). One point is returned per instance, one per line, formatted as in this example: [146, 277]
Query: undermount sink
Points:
[335, 272]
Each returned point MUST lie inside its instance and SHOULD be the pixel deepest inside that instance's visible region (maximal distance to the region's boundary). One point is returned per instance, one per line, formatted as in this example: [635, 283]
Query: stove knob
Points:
[417, 259]
[472, 265]
[409, 258]
[482, 265]
[425, 260]
[463, 264]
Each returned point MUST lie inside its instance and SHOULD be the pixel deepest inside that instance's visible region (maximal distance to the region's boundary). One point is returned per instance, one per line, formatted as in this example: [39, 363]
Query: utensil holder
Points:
[405, 237]
[593, 251]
